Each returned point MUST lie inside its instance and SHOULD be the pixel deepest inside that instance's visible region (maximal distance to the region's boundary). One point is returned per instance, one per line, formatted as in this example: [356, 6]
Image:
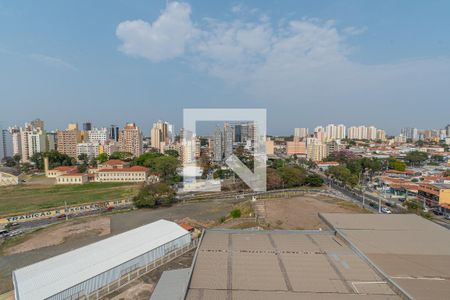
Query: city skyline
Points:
[361, 69]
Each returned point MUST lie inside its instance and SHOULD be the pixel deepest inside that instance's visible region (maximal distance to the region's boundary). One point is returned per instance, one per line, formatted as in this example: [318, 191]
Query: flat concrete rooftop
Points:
[239, 264]
[413, 252]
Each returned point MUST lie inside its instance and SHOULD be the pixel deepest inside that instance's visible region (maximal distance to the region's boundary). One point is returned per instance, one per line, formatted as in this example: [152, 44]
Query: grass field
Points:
[25, 198]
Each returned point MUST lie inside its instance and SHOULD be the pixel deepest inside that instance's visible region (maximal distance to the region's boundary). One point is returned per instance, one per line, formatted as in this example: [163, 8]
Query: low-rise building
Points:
[131, 174]
[72, 178]
[61, 170]
[9, 176]
[435, 194]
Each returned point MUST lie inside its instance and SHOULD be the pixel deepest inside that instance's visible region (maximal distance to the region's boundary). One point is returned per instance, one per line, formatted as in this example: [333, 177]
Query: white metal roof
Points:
[56, 274]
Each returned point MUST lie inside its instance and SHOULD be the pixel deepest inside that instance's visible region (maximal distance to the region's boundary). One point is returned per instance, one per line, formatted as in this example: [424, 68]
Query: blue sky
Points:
[382, 63]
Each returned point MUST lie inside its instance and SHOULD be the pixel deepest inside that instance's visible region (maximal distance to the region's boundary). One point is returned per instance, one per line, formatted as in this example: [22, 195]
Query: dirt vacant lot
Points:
[57, 234]
[301, 213]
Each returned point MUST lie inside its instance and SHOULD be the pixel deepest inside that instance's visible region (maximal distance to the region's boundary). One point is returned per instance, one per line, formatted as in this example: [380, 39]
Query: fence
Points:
[136, 273]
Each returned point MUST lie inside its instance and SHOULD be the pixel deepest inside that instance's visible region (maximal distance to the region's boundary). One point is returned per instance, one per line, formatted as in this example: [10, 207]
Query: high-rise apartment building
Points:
[156, 138]
[37, 124]
[87, 126]
[315, 149]
[301, 133]
[161, 135]
[410, 133]
[91, 149]
[37, 142]
[381, 135]
[68, 139]
[16, 140]
[362, 133]
[6, 145]
[130, 139]
[227, 140]
[33, 139]
[218, 145]
[113, 133]
[340, 131]
[98, 135]
[51, 141]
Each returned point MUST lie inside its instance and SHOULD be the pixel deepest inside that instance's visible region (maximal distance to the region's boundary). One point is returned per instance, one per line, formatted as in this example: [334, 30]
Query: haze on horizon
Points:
[309, 63]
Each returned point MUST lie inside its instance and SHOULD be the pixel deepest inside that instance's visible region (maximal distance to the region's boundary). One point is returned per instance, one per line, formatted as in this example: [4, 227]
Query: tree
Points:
[154, 194]
[395, 164]
[126, 156]
[344, 175]
[93, 162]
[82, 168]
[342, 156]
[147, 159]
[274, 180]
[278, 163]
[166, 167]
[446, 173]
[292, 176]
[83, 158]
[26, 167]
[38, 160]
[235, 213]
[102, 157]
[171, 152]
[314, 180]
[17, 159]
[416, 157]
[9, 162]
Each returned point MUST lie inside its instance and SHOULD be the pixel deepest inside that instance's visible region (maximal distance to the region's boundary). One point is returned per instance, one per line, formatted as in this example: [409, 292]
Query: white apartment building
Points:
[315, 149]
[16, 140]
[362, 132]
[301, 132]
[37, 142]
[98, 135]
[91, 149]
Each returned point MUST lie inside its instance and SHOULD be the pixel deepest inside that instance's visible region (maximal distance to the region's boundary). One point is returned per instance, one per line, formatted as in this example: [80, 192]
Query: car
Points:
[386, 210]
[437, 212]
[14, 233]
[3, 232]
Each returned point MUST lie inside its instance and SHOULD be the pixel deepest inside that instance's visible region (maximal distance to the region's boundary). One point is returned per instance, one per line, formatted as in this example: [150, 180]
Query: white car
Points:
[386, 210]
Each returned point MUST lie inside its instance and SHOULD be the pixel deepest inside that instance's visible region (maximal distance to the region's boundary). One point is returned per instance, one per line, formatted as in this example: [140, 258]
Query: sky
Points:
[382, 63]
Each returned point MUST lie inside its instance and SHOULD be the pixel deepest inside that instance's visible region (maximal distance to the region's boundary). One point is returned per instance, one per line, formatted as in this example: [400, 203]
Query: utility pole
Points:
[379, 205]
[65, 210]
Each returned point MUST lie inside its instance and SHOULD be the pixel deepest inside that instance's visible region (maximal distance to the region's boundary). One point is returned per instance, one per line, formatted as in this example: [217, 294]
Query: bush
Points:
[314, 180]
[235, 213]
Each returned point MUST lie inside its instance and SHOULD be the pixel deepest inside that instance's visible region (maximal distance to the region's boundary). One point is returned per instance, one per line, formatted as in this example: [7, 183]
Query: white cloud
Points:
[166, 38]
[54, 61]
[296, 61]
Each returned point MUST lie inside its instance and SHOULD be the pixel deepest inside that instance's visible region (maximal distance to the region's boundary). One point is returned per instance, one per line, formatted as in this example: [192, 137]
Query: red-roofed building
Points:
[72, 178]
[186, 227]
[61, 170]
[113, 164]
[325, 165]
[131, 174]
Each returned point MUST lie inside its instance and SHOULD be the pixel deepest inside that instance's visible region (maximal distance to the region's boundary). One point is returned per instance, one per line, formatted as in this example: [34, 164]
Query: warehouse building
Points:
[93, 271]
[278, 264]
[363, 256]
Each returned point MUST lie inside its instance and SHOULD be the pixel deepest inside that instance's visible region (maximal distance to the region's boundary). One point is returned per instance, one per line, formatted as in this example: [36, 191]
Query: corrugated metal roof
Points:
[56, 274]
[172, 285]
